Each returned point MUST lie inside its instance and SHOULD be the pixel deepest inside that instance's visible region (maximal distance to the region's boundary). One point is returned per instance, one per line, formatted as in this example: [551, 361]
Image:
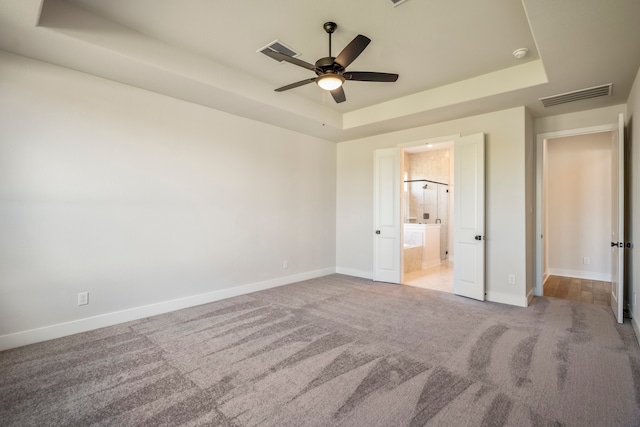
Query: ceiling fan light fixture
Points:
[330, 81]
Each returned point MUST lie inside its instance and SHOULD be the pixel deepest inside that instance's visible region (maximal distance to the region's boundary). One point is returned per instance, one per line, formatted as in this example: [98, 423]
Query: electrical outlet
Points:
[586, 260]
[83, 298]
[512, 279]
[285, 264]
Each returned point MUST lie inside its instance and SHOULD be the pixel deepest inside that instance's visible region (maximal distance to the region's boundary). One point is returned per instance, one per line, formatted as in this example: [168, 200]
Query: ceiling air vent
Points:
[397, 2]
[577, 95]
[279, 47]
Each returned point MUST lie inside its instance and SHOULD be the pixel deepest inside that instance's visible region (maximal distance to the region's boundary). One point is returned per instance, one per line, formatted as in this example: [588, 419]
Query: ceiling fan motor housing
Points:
[328, 65]
[330, 27]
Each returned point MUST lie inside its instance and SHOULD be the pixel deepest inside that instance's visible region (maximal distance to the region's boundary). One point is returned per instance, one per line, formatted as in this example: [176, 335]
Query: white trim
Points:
[436, 140]
[19, 339]
[580, 274]
[577, 132]
[541, 139]
[355, 273]
[530, 296]
[502, 298]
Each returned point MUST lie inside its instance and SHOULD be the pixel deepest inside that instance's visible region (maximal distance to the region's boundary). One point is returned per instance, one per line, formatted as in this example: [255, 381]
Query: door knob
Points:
[377, 231]
[478, 237]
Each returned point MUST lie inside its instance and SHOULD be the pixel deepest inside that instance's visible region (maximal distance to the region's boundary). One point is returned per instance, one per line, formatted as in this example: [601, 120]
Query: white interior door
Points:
[387, 240]
[617, 220]
[469, 246]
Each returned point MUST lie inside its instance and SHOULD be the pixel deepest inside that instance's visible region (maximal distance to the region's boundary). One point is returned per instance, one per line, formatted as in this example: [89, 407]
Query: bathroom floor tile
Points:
[438, 278]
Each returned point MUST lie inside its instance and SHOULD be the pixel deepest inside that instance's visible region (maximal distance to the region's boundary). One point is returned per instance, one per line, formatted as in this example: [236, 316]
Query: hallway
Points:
[587, 291]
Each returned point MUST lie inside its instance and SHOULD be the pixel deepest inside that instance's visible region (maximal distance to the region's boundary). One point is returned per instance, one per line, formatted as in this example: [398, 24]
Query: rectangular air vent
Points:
[577, 95]
[397, 2]
[279, 47]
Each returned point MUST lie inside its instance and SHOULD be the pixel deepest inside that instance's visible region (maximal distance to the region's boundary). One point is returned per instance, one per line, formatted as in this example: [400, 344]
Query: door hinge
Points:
[625, 245]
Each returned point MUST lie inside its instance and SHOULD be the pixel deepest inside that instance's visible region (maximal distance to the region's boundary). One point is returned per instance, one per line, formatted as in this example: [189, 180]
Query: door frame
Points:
[541, 145]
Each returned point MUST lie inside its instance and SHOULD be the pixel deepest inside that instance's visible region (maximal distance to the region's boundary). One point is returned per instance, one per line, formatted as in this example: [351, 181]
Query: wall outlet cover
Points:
[83, 298]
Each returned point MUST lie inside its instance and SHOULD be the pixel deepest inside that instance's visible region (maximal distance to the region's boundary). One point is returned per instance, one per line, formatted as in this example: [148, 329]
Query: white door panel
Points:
[387, 244]
[469, 247]
[617, 220]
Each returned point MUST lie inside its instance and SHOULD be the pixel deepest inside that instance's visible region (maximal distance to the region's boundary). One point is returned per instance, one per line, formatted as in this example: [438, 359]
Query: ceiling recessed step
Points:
[577, 95]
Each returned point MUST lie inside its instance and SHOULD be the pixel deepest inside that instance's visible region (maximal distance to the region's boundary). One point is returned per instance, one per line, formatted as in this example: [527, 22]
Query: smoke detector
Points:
[520, 53]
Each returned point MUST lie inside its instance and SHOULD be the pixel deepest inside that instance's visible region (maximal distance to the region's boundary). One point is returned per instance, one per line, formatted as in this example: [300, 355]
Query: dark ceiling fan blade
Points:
[338, 95]
[296, 84]
[370, 76]
[295, 61]
[353, 50]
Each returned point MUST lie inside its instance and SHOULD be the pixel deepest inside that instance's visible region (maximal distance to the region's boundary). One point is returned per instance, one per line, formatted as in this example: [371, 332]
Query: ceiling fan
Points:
[331, 71]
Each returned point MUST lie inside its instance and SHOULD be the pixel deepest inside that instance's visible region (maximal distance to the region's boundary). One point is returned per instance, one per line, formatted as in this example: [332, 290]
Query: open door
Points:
[617, 220]
[387, 243]
[468, 265]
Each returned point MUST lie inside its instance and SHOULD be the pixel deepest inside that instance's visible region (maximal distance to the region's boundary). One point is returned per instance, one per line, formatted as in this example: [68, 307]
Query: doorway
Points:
[577, 209]
[466, 236]
[614, 227]
[427, 199]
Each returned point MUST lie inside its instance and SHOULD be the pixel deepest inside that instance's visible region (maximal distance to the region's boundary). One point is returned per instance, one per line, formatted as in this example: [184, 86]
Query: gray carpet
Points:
[335, 351]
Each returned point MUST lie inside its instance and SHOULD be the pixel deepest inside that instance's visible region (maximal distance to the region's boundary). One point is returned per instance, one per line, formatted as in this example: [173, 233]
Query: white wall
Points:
[505, 198]
[633, 141]
[579, 206]
[142, 199]
[581, 119]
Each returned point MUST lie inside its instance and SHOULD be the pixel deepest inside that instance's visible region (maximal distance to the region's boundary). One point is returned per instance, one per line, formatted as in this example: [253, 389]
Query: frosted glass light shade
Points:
[330, 81]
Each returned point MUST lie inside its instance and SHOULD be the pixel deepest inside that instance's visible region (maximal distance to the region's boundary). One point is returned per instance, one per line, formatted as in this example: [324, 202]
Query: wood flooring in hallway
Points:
[587, 291]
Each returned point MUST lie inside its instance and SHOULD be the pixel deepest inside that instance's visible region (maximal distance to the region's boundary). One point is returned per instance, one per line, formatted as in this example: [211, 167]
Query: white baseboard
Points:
[19, 339]
[579, 274]
[502, 298]
[530, 296]
[356, 273]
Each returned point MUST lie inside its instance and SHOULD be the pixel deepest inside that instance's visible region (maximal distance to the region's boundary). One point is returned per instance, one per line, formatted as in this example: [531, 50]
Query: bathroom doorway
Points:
[428, 216]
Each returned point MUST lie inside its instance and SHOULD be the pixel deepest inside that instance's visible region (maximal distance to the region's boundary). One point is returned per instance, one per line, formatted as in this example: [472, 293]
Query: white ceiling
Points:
[454, 57]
